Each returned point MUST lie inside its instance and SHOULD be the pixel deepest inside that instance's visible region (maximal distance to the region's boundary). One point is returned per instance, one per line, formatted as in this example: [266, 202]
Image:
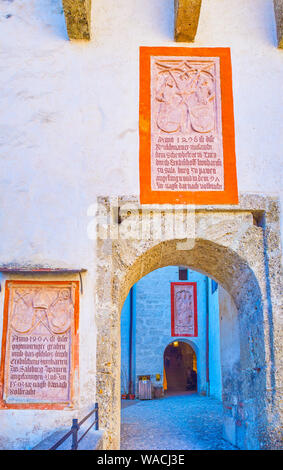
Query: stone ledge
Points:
[78, 18]
[92, 441]
[186, 19]
[251, 202]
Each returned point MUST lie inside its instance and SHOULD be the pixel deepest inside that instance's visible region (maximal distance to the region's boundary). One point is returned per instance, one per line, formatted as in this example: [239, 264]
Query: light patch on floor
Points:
[183, 422]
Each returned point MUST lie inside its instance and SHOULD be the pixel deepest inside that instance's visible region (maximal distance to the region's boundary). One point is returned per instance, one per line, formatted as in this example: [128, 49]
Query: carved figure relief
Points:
[186, 95]
[38, 309]
[184, 312]
[183, 309]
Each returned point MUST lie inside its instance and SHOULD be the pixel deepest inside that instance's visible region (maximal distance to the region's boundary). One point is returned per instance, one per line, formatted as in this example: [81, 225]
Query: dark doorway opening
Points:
[180, 368]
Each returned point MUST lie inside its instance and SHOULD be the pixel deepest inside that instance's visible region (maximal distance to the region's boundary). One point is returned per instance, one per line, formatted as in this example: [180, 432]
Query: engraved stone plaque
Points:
[187, 142]
[183, 309]
[186, 125]
[39, 349]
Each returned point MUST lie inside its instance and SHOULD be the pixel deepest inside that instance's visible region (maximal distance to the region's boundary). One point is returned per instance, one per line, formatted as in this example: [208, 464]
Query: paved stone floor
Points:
[187, 421]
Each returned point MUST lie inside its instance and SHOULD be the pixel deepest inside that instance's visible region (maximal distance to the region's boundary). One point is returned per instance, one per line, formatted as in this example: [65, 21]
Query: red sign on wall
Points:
[187, 143]
[184, 309]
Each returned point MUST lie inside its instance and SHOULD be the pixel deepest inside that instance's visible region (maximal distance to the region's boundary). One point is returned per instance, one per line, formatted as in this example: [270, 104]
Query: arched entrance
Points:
[180, 368]
[230, 248]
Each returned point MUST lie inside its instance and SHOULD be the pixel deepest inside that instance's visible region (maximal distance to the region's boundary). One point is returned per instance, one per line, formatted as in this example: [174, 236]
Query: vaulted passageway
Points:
[170, 349]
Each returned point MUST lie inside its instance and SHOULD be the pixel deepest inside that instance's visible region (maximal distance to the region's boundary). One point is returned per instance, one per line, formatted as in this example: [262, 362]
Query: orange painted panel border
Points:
[74, 353]
[230, 193]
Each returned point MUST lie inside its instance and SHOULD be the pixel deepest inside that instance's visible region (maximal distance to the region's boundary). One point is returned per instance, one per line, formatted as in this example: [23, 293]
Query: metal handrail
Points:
[75, 429]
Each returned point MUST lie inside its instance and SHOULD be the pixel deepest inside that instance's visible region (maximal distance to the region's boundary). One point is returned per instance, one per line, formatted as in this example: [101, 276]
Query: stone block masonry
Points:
[186, 19]
[78, 18]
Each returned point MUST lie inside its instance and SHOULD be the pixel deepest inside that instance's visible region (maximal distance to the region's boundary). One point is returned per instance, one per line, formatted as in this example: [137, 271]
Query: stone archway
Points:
[234, 247]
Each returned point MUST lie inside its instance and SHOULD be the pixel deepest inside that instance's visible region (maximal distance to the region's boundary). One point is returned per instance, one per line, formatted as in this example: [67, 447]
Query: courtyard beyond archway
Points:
[183, 422]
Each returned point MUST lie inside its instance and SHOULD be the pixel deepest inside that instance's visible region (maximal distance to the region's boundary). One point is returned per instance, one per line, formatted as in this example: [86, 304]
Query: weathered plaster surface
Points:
[65, 135]
[232, 248]
[69, 133]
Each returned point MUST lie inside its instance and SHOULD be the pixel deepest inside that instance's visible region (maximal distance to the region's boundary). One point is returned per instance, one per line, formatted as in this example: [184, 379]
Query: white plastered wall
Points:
[69, 127]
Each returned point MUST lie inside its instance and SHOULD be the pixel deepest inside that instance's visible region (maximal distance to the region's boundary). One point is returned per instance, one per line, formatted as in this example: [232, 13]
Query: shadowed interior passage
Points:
[180, 367]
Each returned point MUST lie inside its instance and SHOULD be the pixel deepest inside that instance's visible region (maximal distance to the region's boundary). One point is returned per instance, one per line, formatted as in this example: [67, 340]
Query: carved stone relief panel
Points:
[187, 141]
[183, 309]
[186, 125]
[40, 323]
